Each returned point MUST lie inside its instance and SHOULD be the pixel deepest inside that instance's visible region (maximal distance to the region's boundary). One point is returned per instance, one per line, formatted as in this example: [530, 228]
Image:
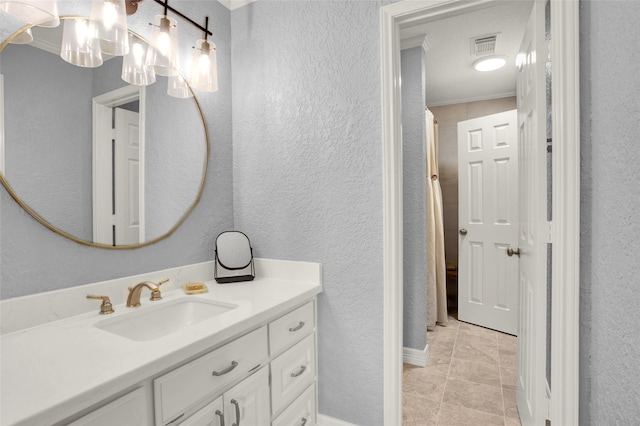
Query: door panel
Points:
[488, 210]
[127, 177]
[532, 241]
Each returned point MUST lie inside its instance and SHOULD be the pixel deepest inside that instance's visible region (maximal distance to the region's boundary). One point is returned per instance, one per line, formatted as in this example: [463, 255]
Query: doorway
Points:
[566, 185]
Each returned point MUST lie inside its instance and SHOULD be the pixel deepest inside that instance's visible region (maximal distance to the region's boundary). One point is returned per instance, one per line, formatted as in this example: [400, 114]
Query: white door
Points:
[488, 221]
[126, 171]
[248, 403]
[534, 229]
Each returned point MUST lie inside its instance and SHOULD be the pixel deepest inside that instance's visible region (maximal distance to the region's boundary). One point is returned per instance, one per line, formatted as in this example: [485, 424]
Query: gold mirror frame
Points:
[64, 234]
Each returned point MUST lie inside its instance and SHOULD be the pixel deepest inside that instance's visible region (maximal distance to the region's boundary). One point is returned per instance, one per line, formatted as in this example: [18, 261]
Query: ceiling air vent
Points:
[484, 45]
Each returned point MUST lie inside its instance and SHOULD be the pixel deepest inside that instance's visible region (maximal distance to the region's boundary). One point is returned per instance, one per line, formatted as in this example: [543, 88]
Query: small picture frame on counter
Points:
[233, 258]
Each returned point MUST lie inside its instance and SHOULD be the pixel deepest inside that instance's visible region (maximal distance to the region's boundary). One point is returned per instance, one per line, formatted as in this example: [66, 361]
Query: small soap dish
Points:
[195, 288]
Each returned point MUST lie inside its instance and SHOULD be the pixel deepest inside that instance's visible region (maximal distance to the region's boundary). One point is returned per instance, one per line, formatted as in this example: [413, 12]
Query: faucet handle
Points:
[106, 307]
[155, 293]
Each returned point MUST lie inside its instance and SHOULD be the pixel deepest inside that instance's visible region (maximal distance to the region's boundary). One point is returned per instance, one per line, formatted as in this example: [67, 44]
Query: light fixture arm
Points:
[165, 4]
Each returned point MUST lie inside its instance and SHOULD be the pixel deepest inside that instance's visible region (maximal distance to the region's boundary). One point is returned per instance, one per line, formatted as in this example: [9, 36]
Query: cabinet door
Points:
[247, 403]
[211, 415]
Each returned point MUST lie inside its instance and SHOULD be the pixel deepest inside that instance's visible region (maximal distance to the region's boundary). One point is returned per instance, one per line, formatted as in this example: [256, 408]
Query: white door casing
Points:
[566, 195]
[534, 230]
[126, 169]
[488, 221]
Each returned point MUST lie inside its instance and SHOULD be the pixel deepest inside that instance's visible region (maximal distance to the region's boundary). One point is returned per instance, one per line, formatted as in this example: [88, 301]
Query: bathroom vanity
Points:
[242, 353]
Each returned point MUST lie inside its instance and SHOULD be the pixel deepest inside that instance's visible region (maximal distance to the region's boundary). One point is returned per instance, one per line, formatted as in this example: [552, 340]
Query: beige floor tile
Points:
[455, 415]
[475, 396]
[507, 341]
[512, 422]
[510, 404]
[508, 358]
[473, 371]
[466, 329]
[441, 348]
[422, 383]
[481, 338]
[418, 410]
[509, 378]
[441, 333]
[476, 351]
[438, 365]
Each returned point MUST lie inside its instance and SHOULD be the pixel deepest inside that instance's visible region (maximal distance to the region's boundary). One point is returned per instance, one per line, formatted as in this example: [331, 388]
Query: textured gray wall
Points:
[33, 259]
[48, 155]
[307, 174]
[415, 200]
[610, 225]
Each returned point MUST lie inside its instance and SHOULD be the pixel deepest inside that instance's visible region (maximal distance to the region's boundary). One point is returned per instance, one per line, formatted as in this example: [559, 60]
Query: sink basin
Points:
[144, 324]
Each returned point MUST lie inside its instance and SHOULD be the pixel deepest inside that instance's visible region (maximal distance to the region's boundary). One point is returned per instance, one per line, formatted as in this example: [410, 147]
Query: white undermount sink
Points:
[149, 323]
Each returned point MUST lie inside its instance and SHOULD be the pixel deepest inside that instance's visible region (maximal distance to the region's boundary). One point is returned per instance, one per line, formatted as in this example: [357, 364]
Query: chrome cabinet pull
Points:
[219, 414]
[234, 402]
[226, 370]
[304, 422]
[299, 372]
[298, 327]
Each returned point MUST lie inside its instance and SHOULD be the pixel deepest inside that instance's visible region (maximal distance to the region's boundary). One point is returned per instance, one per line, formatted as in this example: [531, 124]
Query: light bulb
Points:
[109, 14]
[203, 63]
[82, 32]
[164, 43]
[138, 54]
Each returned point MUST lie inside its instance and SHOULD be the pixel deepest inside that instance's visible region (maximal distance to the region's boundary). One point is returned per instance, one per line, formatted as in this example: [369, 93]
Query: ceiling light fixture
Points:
[490, 63]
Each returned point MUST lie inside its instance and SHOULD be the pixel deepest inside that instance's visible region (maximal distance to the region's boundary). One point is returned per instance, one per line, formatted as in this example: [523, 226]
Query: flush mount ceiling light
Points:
[490, 63]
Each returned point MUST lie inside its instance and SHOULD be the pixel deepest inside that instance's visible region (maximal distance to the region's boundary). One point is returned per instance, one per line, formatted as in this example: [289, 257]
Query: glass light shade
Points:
[178, 88]
[164, 39]
[43, 13]
[204, 70]
[24, 37]
[79, 46]
[134, 70]
[110, 20]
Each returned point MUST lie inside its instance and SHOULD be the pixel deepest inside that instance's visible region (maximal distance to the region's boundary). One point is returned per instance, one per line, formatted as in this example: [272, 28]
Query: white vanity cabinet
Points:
[247, 403]
[263, 377]
[129, 409]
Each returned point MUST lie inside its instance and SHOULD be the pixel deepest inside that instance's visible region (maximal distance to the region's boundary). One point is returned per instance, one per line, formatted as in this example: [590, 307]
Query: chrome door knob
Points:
[463, 231]
[511, 252]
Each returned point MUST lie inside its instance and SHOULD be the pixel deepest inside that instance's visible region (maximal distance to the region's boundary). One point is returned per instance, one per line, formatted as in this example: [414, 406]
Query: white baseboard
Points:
[330, 421]
[416, 356]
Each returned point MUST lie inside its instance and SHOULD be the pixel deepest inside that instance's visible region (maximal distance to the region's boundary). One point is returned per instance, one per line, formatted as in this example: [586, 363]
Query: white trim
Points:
[566, 212]
[2, 124]
[416, 357]
[409, 43]
[474, 99]
[235, 4]
[566, 205]
[330, 421]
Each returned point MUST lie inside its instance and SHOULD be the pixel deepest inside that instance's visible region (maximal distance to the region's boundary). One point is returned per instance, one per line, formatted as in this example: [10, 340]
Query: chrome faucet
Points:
[133, 299]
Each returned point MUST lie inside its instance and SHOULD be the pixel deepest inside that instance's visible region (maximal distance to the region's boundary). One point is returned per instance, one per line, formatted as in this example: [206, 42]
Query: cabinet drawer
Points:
[291, 328]
[130, 409]
[292, 372]
[301, 412]
[187, 385]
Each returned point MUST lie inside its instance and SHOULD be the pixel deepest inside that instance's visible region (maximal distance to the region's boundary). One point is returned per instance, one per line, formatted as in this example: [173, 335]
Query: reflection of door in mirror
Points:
[118, 166]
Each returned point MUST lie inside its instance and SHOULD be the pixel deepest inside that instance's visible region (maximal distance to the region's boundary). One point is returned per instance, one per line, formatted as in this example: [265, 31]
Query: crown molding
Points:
[235, 4]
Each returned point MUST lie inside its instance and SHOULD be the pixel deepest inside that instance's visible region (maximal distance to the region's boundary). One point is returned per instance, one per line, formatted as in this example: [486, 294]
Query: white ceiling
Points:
[450, 76]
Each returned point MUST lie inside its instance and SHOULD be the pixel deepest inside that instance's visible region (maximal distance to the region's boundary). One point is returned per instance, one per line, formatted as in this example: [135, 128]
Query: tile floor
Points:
[470, 379]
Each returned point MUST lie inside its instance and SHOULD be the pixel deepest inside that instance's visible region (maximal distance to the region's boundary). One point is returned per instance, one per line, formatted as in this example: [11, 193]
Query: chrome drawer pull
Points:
[299, 372]
[304, 422]
[226, 370]
[234, 402]
[298, 327]
[219, 414]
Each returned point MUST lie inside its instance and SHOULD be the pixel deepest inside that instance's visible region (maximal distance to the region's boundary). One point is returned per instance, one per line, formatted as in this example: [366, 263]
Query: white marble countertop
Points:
[50, 371]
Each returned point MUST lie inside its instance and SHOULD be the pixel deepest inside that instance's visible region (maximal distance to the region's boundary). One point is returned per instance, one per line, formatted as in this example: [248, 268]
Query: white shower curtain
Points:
[436, 266]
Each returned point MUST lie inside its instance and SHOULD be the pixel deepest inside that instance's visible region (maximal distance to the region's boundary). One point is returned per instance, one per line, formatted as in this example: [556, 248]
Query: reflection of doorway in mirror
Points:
[118, 166]
[1, 124]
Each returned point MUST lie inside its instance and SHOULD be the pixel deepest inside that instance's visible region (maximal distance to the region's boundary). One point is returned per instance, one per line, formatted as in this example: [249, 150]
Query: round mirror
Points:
[91, 157]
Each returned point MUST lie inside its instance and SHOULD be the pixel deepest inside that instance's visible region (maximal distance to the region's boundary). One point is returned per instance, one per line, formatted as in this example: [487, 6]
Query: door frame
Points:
[101, 158]
[566, 197]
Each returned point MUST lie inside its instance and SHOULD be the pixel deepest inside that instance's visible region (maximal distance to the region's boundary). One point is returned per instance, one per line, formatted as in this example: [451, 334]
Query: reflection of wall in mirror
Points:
[48, 136]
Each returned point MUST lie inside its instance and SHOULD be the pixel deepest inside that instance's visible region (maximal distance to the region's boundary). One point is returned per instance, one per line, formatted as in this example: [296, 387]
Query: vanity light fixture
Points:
[164, 38]
[134, 70]
[110, 20]
[490, 63]
[24, 37]
[204, 69]
[79, 47]
[178, 88]
[43, 13]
